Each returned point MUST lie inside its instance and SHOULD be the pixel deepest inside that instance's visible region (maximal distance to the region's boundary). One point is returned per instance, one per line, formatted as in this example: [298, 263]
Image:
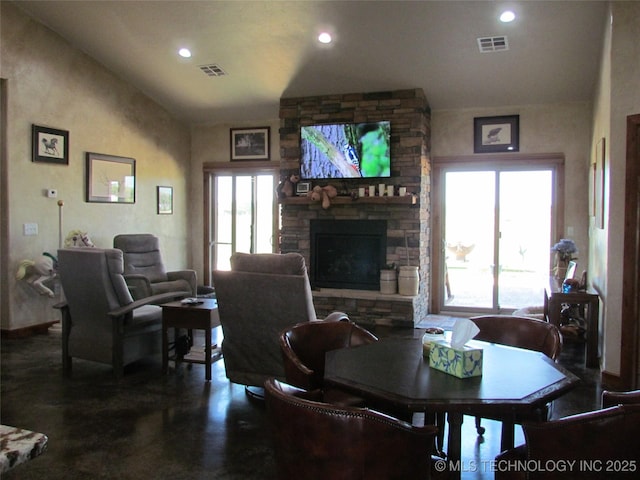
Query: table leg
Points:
[165, 349]
[507, 437]
[454, 448]
[593, 312]
[207, 352]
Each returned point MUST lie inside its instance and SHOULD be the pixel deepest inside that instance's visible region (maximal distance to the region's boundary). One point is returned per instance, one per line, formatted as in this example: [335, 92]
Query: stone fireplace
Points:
[407, 220]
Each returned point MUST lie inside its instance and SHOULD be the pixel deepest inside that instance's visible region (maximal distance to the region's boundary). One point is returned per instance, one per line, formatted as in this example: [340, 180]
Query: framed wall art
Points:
[496, 134]
[49, 145]
[110, 179]
[165, 200]
[250, 143]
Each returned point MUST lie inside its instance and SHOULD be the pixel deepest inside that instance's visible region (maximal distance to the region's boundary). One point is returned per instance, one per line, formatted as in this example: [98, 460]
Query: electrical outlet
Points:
[30, 229]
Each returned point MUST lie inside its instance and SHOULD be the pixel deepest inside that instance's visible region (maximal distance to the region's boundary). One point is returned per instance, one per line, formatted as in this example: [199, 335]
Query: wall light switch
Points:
[30, 229]
[52, 193]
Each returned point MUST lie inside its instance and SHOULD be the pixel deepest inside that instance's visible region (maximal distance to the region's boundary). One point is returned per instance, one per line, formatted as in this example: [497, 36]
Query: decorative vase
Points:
[560, 268]
[388, 282]
[408, 281]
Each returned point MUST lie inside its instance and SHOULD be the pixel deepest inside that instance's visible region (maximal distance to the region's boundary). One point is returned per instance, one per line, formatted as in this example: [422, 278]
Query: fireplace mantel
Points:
[344, 200]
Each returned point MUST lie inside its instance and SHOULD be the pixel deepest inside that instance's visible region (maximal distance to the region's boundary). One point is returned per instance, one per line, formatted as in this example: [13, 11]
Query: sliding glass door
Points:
[495, 238]
[243, 216]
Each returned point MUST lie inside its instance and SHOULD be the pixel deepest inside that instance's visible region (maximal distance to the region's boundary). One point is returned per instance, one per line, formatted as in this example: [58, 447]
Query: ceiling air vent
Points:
[493, 44]
[213, 70]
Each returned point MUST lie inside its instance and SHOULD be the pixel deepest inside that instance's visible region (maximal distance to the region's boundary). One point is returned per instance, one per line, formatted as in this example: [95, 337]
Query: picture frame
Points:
[110, 179]
[496, 134]
[303, 188]
[250, 143]
[598, 183]
[49, 145]
[165, 200]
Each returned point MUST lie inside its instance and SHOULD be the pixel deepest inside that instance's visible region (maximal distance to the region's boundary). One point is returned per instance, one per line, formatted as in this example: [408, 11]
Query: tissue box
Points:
[463, 363]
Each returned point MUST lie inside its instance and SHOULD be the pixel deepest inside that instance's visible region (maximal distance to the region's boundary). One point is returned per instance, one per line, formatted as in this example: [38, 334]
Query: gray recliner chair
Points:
[261, 296]
[144, 269]
[100, 320]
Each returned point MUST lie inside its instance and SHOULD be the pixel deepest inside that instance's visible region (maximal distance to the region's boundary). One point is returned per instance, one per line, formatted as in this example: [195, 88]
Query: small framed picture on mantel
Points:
[496, 134]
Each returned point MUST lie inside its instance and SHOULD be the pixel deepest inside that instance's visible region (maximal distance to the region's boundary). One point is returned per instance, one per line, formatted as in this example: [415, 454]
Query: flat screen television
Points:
[345, 150]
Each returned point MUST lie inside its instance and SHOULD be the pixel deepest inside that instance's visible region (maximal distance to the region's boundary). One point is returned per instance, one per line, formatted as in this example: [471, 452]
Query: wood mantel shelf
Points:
[343, 200]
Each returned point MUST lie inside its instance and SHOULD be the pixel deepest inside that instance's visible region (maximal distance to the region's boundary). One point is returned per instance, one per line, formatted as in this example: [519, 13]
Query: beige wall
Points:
[51, 83]
[211, 144]
[617, 97]
[564, 128]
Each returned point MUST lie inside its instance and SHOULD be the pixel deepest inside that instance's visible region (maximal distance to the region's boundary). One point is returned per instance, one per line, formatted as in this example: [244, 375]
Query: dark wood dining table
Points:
[394, 372]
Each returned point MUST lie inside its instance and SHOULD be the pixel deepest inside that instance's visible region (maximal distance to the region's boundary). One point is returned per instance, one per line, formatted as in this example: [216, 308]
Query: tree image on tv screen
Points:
[346, 151]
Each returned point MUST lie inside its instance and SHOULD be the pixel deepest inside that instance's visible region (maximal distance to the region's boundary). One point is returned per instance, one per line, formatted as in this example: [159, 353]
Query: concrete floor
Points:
[150, 426]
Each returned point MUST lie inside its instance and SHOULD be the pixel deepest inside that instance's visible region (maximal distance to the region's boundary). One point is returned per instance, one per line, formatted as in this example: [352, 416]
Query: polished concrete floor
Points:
[150, 426]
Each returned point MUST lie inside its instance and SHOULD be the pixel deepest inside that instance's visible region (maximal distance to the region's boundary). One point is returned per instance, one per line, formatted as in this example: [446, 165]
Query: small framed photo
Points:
[303, 188]
[250, 143]
[110, 179]
[165, 200]
[50, 145]
[496, 134]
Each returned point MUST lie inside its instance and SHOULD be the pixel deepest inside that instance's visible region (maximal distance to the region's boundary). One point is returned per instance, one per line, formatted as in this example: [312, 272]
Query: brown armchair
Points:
[522, 332]
[262, 295]
[316, 440]
[611, 398]
[100, 320]
[144, 268]
[598, 444]
[304, 347]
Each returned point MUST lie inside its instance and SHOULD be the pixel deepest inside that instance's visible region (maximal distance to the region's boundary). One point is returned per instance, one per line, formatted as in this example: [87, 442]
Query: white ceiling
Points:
[269, 50]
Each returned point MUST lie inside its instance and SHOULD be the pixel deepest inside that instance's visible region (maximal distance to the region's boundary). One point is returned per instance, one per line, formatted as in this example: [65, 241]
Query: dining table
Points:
[393, 372]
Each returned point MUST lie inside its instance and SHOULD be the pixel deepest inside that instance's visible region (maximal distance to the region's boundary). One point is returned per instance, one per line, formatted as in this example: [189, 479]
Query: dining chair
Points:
[259, 297]
[522, 332]
[314, 439]
[591, 445]
[144, 268]
[304, 346]
[611, 398]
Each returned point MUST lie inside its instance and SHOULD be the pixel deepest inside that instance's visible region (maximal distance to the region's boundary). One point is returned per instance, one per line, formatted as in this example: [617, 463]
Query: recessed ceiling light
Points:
[507, 16]
[184, 52]
[324, 37]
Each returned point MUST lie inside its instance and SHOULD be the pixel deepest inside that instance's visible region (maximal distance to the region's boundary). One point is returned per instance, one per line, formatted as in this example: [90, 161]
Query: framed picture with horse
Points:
[50, 145]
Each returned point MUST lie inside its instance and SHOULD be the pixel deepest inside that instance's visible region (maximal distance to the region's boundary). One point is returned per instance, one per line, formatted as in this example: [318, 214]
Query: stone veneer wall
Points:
[408, 229]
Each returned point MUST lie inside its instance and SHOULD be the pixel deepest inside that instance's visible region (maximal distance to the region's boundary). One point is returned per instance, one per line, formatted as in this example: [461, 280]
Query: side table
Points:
[553, 300]
[198, 316]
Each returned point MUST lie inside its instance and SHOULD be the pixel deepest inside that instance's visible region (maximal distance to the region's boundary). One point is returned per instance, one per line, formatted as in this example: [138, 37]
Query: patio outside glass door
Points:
[496, 239]
[243, 216]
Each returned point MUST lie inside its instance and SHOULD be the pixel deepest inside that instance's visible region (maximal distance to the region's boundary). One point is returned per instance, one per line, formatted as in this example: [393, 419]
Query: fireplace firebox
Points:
[347, 253]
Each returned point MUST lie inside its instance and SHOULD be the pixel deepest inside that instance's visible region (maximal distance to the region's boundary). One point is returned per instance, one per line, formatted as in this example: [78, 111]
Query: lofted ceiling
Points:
[269, 50]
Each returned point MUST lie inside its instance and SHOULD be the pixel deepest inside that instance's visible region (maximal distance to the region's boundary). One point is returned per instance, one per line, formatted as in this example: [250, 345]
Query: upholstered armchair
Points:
[522, 332]
[100, 320]
[145, 271]
[313, 439]
[259, 297]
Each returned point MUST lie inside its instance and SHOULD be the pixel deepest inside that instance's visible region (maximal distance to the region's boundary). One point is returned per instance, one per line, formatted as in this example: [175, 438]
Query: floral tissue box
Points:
[463, 363]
